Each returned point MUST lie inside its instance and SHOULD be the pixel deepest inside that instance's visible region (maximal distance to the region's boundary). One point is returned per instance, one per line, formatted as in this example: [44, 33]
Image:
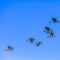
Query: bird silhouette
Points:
[38, 43]
[9, 48]
[54, 20]
[47, 29]
[51, 34]
[31, 40]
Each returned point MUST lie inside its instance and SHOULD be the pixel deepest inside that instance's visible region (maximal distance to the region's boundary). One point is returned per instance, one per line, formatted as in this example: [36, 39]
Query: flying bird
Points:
[31, 40]
[38, 43]
[9, 48]
[54, 20]
[51, 34]
[47, 29]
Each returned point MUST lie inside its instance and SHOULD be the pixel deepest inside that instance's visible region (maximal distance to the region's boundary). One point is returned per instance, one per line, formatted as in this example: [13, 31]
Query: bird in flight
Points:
[54, 20]
[47, 29]
[51, 34]
[9, 48]
[31, 40]
[38, 43]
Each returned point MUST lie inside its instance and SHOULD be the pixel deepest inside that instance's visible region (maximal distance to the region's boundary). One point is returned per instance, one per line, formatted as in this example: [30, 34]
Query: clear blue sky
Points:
[20, 20]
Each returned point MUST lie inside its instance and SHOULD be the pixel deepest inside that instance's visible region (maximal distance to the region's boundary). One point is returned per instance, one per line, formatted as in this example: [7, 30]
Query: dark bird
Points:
[38, 43]
[52, 34]
[54, 20]
[31, 40]
[47, 29]
[9, 48]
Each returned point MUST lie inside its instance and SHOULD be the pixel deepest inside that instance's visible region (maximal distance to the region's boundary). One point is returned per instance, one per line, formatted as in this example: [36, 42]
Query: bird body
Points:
[9, 48]
[47, 29]
[51, 34]
[54, 20]
[38, 43]
[31, 40]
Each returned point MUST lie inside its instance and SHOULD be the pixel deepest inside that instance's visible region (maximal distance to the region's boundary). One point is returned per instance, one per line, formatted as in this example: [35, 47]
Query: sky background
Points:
[22, 19]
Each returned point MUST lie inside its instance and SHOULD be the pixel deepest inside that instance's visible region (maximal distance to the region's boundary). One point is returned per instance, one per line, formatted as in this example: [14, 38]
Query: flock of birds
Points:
[47, 30]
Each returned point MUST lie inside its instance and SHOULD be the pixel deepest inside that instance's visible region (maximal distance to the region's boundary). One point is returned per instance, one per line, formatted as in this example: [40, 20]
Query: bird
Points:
[47, 29]
[38, 43]
[54, 20]
[51, 34]
[9, 48]
[31, 40]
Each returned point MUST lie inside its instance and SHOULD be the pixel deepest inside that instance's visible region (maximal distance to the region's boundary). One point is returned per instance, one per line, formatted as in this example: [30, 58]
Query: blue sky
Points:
[20, 20]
